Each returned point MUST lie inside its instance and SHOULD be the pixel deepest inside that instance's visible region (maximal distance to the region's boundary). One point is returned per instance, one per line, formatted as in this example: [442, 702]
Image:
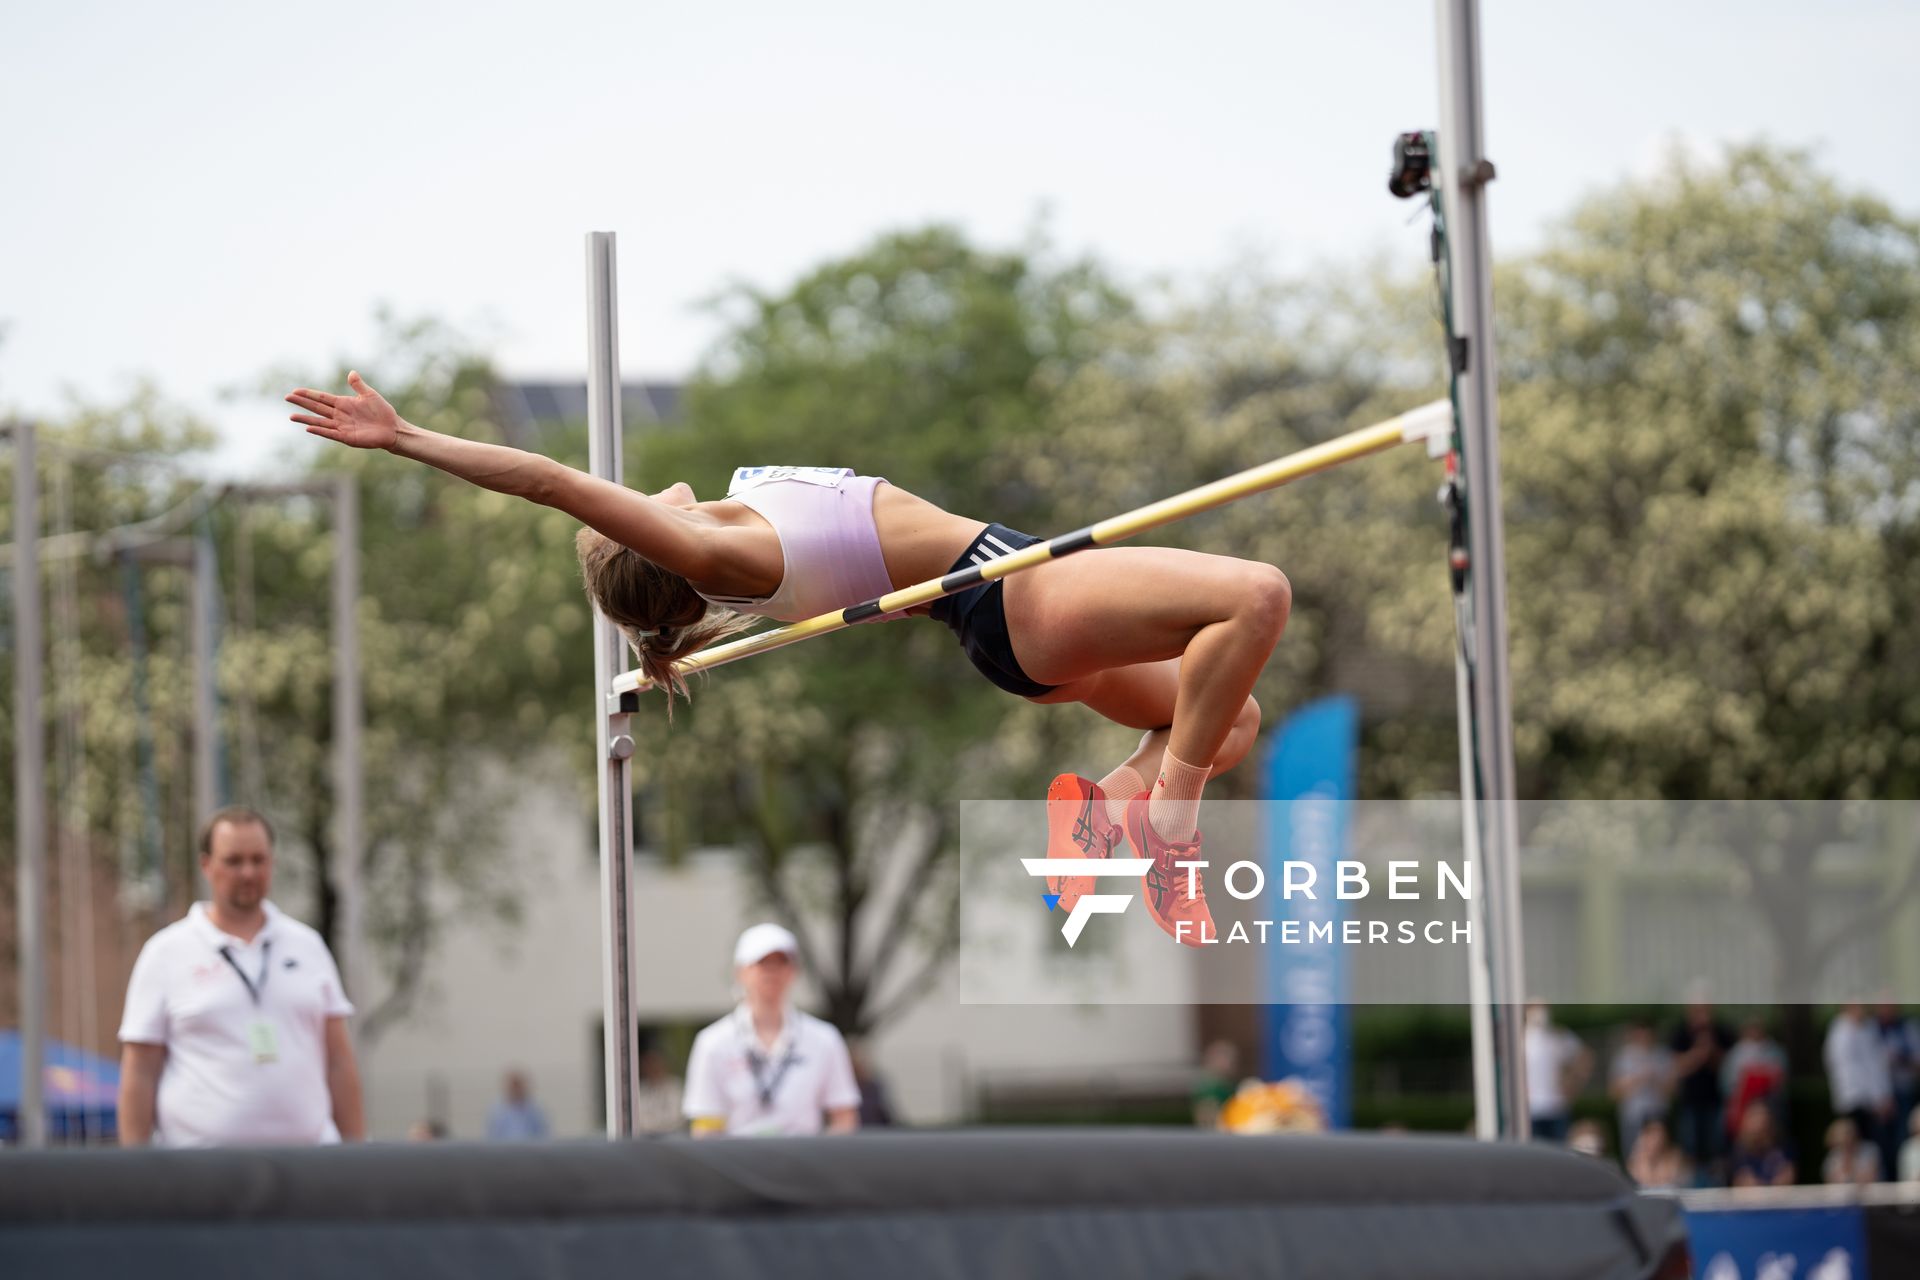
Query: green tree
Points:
[1714, 488]
[1711, 407]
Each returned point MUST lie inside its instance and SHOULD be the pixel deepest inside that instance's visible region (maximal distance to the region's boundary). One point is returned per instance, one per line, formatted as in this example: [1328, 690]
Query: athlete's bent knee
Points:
[1240, 738]
[1248, 721]
[1266, 598]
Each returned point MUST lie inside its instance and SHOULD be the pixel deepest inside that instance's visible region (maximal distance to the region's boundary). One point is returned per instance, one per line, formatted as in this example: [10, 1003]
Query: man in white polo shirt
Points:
[767, 1068]
[235, 1027]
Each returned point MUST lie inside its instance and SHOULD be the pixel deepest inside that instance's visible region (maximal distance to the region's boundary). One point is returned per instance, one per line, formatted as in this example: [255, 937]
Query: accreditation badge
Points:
[765, 1128]
[263, 1041]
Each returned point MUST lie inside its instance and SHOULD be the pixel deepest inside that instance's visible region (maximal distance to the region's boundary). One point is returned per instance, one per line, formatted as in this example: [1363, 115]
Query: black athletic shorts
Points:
[978, 616]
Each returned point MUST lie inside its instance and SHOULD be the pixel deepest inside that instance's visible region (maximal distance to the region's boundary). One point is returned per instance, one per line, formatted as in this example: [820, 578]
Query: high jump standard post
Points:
[613, 710]
[1488, 787]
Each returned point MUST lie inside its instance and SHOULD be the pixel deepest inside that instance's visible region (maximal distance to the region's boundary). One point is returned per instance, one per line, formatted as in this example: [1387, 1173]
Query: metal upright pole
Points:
[349, 796]
[1486, 1077]
[611, 716]
[206, 709]
[1464, 172]
[29, 781]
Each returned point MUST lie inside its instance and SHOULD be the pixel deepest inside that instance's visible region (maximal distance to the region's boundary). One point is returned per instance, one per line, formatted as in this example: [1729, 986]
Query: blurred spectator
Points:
[235, 1024]
[516, 1117]
[876, 1107]
[1557, 1066]
[1909, 1165]
[426, 1131]
[1755, 1072]
[1699, 1044]
[1861, 1079]
[766, 1068]
[1587, 1138]
[1759, 1159]
[656, 1105]
[1901, 1036]
[1654, 1162]
[1641, 1081]
[1218, 1078]
[1849, 1160]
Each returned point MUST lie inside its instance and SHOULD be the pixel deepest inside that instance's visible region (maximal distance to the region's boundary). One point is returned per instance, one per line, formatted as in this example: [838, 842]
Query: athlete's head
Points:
[658, 611]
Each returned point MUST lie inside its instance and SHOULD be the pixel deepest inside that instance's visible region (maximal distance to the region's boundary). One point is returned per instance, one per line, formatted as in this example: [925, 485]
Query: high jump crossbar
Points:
[1432, 423]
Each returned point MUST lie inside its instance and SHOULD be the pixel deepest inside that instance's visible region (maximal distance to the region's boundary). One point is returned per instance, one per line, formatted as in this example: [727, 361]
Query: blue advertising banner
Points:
[1773, 1244]
[1305, 1029]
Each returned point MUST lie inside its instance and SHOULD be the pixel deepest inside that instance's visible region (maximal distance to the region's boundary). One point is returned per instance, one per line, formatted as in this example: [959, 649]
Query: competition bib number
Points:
[752, 477]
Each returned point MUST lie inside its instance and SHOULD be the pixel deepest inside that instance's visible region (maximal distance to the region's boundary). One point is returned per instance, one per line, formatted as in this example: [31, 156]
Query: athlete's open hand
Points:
[363, 420]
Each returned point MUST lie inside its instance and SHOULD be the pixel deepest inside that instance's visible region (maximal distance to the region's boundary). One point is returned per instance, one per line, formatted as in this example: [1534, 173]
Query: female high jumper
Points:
[1154, 638]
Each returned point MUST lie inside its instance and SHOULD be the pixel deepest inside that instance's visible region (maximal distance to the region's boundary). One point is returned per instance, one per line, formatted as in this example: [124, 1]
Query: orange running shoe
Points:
[1185, 919]
[1077, 827]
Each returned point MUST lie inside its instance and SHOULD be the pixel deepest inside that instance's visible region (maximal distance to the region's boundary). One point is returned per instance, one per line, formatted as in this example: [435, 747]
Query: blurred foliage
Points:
[1711, 412]
[1711, 437]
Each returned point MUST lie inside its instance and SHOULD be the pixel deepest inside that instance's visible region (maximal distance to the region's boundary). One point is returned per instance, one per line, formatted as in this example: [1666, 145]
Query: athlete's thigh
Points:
[1139, 697]
[1115, 607]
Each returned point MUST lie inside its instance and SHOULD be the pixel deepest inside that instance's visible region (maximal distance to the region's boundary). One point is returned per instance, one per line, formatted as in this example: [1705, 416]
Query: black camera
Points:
[1412, 164]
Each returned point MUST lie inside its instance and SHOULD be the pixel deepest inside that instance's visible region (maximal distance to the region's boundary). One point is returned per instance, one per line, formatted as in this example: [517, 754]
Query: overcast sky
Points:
[199, 192]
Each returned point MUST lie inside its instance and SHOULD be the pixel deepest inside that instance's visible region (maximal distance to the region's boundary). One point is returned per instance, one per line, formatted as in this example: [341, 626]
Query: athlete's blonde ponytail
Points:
[659, 613]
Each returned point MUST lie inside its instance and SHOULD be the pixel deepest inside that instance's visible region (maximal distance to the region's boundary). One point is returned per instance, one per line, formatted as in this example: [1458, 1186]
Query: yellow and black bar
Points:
[1426, 422]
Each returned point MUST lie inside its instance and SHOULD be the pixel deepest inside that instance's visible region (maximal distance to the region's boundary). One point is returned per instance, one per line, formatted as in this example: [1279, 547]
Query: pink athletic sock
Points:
[1174, 811]
[1120, 786]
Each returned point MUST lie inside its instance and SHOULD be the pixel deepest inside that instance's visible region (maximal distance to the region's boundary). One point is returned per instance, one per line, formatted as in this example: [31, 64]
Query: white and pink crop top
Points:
[823, 517]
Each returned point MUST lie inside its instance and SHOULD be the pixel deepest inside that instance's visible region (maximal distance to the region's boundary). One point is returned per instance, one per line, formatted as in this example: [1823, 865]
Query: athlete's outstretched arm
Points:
[364, 420]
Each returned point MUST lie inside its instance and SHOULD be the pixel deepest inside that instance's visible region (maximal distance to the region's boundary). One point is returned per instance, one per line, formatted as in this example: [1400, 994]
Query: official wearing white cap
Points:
[767, 1068]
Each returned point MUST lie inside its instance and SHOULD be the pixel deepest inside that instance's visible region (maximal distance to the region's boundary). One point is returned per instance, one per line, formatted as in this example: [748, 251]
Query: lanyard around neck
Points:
[768, 1087]
[255, 990]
